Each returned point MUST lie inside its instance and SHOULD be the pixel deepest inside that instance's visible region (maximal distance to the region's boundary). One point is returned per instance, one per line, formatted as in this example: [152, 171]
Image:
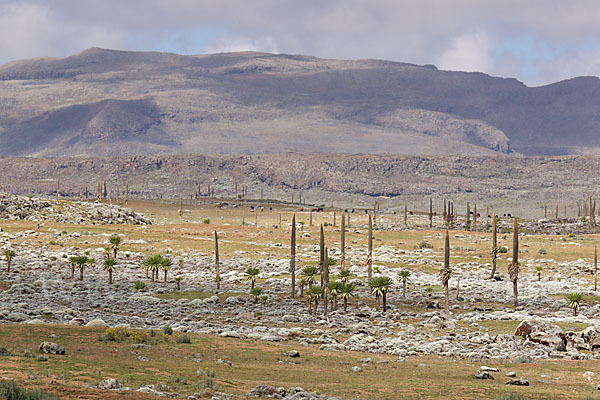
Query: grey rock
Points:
[483, 375]
[266, 391]
[112, 384]
[97, 323]
[52, 348]
[16, 317]
[518, 382]
[151, 389]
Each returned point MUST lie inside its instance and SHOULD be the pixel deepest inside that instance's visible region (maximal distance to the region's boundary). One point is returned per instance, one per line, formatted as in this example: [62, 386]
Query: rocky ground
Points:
[521, 186]
[481, 327]
[14, 207]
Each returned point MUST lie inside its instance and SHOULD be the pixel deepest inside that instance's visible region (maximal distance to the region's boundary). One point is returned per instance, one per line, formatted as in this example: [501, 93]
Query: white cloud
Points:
[231, 44]
[30, 30]
[457, 34]
[468, 52]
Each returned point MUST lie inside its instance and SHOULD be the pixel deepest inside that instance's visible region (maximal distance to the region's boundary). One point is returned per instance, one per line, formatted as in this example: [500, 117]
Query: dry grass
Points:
[88, 361]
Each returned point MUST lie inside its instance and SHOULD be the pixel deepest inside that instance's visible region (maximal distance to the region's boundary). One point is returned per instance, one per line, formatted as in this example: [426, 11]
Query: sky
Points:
[535, 41]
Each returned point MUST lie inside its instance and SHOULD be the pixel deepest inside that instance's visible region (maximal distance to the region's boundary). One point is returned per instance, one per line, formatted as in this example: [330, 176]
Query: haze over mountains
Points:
[106, 103]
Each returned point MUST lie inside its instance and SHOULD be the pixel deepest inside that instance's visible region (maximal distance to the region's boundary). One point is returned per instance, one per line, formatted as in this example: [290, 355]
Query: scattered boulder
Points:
[267, 391]
[97, 323]
[483, 375]
[543, 332]
[112, 384]
[52, 348]
[153, 390]
[292, 354]
[77, 322]
[16, 317]
[591, 336]
[488, 369]
[518, 382]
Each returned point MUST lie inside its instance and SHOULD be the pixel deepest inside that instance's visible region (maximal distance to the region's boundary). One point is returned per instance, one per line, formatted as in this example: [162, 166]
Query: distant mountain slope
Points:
[108, 102]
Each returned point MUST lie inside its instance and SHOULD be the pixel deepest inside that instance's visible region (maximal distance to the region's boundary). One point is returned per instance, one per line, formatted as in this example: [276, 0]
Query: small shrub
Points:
[502, 249]
[10, 391]
[206, 221]
[29, 354]
[4, 352]
[138, 337]
[424, 244]
[121, 334]
[209, 379]
[542, 251]
[167, 330]
[183, 339]
[139, 285]
[331, 261]
[117, 334]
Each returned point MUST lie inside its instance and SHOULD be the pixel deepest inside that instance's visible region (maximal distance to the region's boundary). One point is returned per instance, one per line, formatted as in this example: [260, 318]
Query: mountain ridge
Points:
[252, 103]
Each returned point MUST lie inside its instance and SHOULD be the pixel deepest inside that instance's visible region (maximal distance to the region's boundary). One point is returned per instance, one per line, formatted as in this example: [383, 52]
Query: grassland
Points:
[89, 360]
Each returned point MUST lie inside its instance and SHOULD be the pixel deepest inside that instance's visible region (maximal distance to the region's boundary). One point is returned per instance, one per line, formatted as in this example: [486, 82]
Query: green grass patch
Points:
[10, 391]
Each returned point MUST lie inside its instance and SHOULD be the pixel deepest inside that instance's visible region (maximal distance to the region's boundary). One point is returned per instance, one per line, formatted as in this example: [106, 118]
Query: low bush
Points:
[424, 244]
[183, 339]
[10, 391]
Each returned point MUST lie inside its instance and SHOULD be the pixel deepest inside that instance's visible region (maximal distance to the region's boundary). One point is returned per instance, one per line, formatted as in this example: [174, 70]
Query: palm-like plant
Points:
[81, 262]
[165, 265]
[379, 287]
[302, 283]
[73, 261]
[314, 295]
[375, 289]
[403, 276]
[538, 268]
[9, 255]
[344, 275]
[251, 274]
[178, 282]
[152, 263]
[346, 292]
[334, 291]
[255, 293]
[109, 266]
[574, 301]
[115, 242]
[310, 274]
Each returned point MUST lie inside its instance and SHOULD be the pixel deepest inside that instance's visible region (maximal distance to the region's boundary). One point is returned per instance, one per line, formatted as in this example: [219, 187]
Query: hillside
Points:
[511, 184]
[110, 103]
